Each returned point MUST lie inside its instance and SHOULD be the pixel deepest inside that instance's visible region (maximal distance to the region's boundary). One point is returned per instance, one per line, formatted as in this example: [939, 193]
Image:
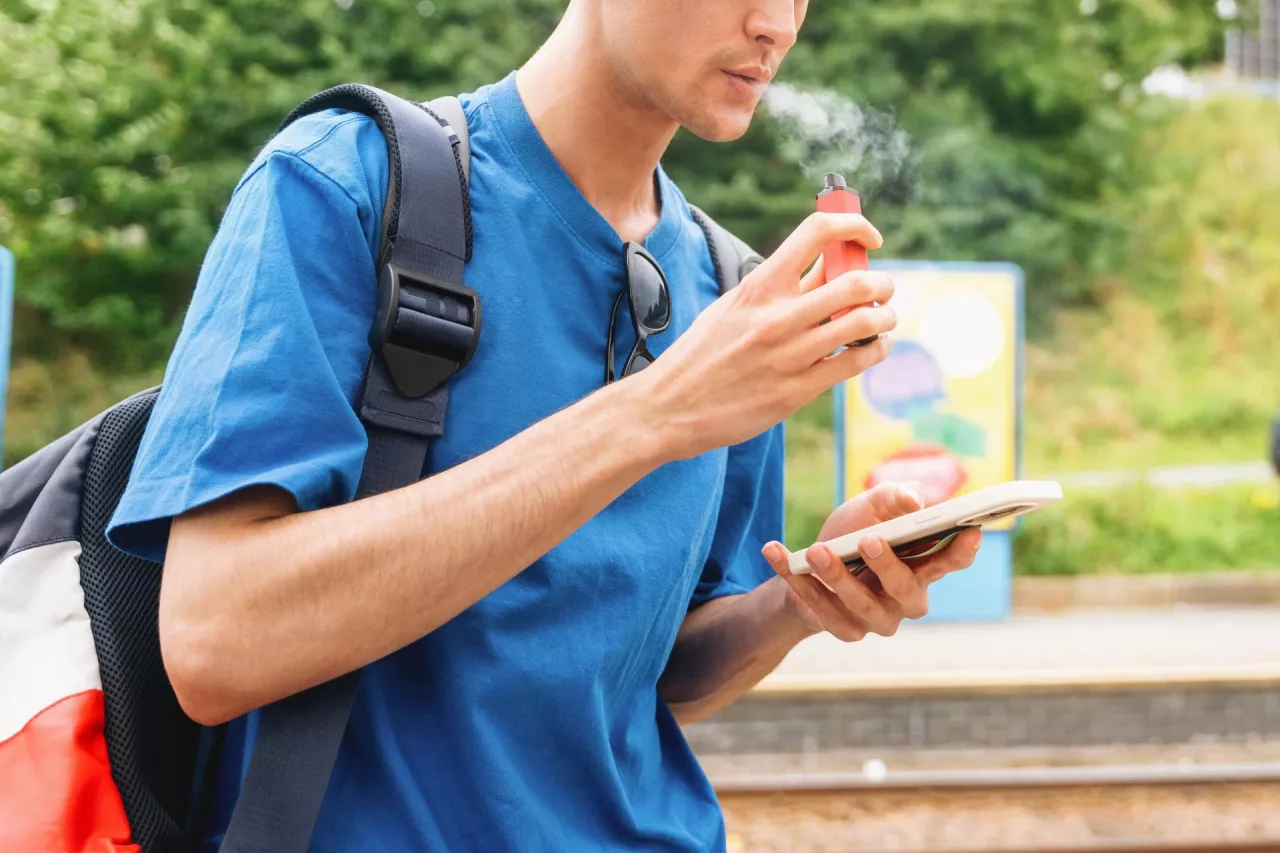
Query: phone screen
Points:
[916, 549]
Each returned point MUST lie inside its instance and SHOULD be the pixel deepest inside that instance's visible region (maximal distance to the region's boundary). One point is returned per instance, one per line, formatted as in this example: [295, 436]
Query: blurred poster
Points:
[943, 408]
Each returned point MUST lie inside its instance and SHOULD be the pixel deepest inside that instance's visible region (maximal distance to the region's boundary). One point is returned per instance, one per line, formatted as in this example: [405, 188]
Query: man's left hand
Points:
[831, 599]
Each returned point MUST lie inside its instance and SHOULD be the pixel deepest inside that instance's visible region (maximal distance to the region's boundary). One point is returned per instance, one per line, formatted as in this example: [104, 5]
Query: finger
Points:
[824, 603]
[879, 615]
[817, 597]
[815, 277]
[777, 556]
[854, 288]
[832, 370]
[895, 576]
[806, 243]
[958, 555]
[859, 324]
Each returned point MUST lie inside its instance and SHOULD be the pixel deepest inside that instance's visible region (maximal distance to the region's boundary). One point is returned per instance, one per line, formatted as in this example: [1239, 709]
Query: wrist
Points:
[646, 419]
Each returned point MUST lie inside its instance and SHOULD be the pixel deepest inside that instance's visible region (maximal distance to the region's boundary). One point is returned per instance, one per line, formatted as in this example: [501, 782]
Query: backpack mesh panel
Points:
[151, 742]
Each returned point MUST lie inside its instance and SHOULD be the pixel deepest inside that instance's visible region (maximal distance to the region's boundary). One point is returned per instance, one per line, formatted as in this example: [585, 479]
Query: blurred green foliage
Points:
[1139, 530]
[124, 125]
[1177, 363]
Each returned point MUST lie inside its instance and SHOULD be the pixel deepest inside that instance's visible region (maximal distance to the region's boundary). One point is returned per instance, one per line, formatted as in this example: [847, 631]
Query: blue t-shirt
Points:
[531, 721]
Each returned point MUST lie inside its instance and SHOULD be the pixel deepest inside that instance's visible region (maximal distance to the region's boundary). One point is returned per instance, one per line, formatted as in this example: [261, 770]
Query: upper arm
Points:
[260, 387]
[751, 515]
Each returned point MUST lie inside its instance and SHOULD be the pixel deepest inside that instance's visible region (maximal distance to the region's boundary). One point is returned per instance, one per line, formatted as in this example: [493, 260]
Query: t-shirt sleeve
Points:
[260, 387]
[751, 514]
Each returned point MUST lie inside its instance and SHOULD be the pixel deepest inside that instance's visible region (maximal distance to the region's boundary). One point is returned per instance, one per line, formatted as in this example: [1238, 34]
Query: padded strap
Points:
[426, 239]
[732, 258]
[450, 109]
[444, 233]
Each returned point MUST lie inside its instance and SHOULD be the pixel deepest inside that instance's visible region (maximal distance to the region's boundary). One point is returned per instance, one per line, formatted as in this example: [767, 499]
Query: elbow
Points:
[687, 713]
[196, 665]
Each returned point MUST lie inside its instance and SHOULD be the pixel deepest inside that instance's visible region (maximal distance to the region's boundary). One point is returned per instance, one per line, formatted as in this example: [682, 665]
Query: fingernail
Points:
[871, 547]
[913, 495]
[818, 558]
[879, 239]
[774, 552]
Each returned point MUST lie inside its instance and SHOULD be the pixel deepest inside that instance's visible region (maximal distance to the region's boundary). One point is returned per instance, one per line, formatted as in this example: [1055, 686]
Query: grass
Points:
[1138, 530]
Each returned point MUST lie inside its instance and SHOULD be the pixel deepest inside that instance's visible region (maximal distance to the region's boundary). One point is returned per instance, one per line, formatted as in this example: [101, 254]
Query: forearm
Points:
[726, 646]
[332, 590]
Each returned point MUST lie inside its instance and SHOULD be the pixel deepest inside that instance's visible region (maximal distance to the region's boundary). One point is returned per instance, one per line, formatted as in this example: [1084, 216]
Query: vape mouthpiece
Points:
[834, 181]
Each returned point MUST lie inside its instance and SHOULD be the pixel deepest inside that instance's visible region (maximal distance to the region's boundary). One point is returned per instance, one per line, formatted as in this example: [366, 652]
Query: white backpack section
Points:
[46, 645]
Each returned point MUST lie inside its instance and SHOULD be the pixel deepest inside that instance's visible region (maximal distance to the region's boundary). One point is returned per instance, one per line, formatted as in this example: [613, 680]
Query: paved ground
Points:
[1182, 475]
[1082, 646]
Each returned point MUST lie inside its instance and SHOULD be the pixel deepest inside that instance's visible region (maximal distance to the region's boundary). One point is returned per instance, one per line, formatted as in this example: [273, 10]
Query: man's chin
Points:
[720, 125]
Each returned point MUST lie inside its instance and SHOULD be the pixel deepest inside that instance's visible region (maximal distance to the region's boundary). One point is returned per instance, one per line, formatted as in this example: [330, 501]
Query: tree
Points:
[125, 124]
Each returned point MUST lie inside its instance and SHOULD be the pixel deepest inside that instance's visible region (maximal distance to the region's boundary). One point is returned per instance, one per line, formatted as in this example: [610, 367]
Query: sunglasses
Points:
[650, 300]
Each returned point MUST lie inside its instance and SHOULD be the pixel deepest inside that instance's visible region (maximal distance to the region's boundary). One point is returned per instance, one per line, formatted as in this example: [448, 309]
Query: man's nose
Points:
[772, 24]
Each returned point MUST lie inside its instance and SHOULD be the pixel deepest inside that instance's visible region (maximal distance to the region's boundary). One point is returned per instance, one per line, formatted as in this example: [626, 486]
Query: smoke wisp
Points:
[823, 131]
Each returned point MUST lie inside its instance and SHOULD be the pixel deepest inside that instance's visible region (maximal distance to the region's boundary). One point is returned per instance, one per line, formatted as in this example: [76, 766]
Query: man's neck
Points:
[607, 144]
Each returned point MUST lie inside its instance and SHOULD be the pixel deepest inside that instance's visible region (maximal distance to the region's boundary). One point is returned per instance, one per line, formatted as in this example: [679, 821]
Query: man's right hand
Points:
[762, 352]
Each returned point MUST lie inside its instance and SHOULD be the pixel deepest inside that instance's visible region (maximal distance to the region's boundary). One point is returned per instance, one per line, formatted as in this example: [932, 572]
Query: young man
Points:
[584, 569]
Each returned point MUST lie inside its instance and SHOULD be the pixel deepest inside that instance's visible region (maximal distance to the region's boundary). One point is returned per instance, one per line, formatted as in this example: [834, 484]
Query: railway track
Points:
[1006, 777]
[1229, 809]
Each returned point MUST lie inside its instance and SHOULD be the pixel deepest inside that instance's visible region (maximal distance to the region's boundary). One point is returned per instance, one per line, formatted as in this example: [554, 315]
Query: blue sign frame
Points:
[983, 592]
[6, 334]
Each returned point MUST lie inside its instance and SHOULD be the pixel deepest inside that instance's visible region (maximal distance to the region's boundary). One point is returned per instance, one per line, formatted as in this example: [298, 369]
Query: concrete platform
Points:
[1181, 646]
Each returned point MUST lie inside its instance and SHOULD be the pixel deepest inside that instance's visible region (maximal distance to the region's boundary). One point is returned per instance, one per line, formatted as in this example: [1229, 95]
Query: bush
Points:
[124, 125]
[1180, 362]
[1140, 529]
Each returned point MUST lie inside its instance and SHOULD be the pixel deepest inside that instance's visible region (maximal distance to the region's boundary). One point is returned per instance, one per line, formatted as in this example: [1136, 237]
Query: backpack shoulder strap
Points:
[732, 257]
[449, 108]
[426, 329]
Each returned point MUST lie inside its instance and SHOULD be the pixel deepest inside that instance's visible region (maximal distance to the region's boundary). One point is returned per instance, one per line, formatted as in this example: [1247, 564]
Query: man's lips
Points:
[746, 84]
[756, 74]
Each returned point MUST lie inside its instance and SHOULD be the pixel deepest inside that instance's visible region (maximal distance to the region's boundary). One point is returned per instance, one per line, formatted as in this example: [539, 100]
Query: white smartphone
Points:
[925, 532]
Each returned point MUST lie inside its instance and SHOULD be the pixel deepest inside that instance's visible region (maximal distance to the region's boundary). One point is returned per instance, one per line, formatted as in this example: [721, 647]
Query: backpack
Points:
[95, 752]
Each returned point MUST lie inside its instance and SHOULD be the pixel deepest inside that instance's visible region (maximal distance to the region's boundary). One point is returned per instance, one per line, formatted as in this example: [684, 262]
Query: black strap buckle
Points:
[426, 329]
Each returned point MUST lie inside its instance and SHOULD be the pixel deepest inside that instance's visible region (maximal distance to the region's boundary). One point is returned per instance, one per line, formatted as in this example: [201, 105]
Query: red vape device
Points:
[840, 258]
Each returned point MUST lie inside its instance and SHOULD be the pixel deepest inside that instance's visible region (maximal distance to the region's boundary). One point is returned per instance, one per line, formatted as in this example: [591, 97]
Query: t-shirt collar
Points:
[559, 189]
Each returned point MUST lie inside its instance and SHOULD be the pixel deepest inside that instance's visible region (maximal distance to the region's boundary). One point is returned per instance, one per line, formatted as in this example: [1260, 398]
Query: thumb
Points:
[913, 495]
[890, 500]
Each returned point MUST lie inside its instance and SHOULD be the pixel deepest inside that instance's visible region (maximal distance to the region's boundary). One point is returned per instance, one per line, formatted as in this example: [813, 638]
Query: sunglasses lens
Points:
[649, 299]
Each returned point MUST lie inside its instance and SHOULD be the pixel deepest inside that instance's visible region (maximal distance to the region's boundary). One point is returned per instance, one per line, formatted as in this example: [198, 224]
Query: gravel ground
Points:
[955, 820]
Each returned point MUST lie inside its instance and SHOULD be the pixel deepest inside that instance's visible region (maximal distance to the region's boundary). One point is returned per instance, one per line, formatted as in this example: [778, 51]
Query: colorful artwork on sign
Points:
[942, 408]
